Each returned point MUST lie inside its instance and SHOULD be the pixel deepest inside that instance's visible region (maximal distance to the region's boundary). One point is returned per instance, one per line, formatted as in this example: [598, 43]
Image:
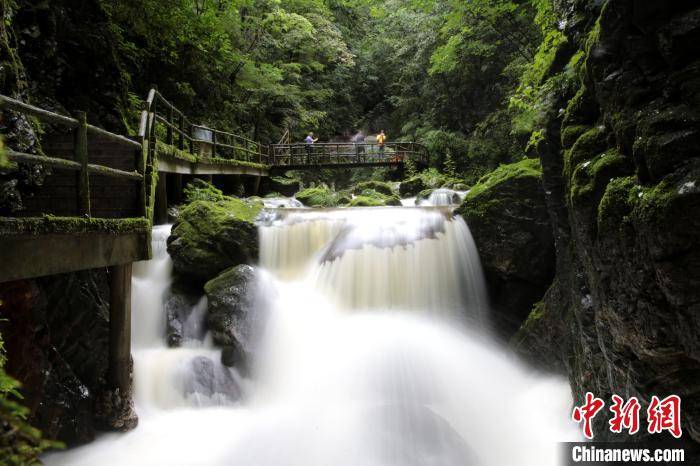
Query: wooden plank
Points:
[29, 256]
[44, 115]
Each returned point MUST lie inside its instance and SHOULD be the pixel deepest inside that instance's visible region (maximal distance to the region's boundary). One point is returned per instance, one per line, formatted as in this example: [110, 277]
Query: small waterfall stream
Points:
[373, 353]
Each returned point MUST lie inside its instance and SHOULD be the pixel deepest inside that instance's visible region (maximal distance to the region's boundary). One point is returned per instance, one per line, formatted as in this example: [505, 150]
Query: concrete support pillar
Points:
[120, 328]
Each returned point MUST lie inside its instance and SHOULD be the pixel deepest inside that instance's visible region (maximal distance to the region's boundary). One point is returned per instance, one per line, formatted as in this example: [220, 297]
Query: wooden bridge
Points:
[106, 190]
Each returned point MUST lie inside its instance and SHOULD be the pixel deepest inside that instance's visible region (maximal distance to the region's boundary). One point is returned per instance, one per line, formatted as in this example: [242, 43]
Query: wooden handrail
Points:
[80, 163]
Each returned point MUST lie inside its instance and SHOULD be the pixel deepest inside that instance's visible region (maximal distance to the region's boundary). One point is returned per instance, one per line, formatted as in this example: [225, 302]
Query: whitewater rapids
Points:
[374, 352]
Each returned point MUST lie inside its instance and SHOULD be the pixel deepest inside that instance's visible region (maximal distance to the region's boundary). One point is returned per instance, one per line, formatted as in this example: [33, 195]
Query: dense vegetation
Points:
[440, 71]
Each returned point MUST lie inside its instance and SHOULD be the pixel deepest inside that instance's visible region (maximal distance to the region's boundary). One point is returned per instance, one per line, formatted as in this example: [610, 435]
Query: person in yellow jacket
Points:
[381, 141]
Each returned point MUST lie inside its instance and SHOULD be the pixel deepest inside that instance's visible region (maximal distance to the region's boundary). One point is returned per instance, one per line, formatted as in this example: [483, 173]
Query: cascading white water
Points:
[443, 197]
[372, 354]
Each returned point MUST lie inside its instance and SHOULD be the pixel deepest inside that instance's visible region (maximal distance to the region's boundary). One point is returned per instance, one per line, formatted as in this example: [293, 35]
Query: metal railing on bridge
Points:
[346, 154]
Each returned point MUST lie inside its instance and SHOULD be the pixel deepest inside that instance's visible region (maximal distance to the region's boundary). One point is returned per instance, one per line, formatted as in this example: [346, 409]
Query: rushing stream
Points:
[373, 352]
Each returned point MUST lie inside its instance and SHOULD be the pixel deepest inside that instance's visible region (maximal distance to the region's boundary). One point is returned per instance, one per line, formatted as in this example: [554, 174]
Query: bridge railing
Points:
[162, 122]
[80, 163]
[346, 153]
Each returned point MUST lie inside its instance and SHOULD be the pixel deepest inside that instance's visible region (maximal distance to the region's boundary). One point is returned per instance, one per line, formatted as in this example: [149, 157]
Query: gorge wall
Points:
[619, 147]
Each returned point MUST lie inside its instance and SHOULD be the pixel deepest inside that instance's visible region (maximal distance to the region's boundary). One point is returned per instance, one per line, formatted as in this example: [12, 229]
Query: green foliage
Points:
[318, 197]
[200, 190]
[366, 201]
[524, 168]
[20, 443]
[378, 186]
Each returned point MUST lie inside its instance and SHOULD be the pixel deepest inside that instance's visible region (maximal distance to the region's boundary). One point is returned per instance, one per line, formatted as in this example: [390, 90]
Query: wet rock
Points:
[620, 171]
[378, 186]
[57, 341]
[372, 198]
[181, 316]
[209, 237]
[231, 317]
[321, 197]
[411, 186]
[209, 382]
[507, 215]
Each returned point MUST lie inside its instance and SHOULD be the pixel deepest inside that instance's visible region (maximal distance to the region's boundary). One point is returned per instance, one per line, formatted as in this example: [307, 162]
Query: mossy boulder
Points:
[209, 237]
[231, 318]
[285, 186]
[200, 190]
[507, 215]
[321, 197]
[378, 186]
[372, 198]
[411, 186]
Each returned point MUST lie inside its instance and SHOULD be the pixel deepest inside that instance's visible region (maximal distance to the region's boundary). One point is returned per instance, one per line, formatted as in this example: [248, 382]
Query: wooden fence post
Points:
[169, 127]
[81, 156]
[181, 138]
[120, 328]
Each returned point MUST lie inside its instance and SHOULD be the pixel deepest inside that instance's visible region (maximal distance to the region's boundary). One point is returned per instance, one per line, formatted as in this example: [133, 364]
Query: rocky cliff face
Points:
[56, 332]
[619, 148]
[507, 216]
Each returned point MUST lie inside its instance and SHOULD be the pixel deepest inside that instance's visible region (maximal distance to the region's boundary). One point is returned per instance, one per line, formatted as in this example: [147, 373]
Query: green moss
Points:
[378, 186]
[365, 201]
[318, 197]
[163, 149]
[49, 224]
[231, 162]
[4, 159]
[587, 146]
[570, 134]
[380, 198]
[536, 314]
[200, 190]
[524, 168]
[209, 237]
[590, 177]
[616, 203]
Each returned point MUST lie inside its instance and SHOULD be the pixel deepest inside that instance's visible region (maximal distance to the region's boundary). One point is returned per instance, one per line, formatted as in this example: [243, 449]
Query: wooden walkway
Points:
[105, 191]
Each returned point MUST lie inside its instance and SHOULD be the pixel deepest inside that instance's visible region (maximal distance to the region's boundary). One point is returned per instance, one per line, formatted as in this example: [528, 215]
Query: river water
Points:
[374, 350]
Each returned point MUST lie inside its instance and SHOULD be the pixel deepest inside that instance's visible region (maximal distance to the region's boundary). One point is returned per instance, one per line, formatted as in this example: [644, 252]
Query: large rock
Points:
[321, 197]
[378, 186]
[184, 320]
[231, 317]
[209, 237]
[507, 215]
[372, 198]
[622, 177]
[411, 186]
[56, 336]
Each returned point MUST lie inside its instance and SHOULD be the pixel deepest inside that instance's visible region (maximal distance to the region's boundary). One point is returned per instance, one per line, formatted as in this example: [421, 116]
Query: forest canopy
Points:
[454, 75]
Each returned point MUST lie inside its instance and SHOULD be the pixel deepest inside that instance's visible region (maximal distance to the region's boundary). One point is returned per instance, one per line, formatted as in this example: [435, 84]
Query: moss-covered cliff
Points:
[618, 140]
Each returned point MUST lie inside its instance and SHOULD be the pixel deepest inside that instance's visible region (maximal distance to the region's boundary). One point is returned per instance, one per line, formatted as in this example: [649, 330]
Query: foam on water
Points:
[372, 353]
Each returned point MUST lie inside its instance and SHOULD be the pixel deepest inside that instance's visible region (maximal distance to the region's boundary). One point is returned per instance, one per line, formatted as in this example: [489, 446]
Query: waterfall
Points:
[373, 353]
[443, 197]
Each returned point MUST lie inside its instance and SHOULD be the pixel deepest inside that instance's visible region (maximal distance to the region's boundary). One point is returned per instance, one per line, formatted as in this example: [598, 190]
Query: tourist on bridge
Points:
[359, 140]
[381, 141]
[310, 141]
